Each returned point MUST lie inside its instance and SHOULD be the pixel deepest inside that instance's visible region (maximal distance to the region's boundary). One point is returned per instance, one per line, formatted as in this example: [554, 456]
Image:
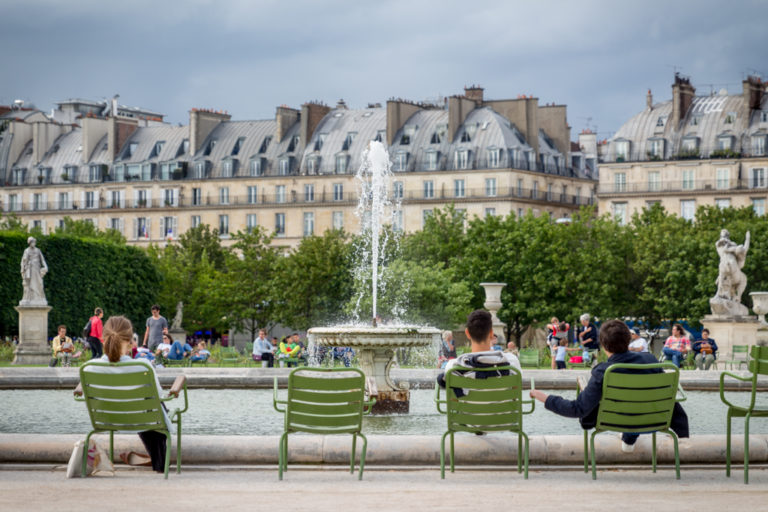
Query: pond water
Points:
[250, 412]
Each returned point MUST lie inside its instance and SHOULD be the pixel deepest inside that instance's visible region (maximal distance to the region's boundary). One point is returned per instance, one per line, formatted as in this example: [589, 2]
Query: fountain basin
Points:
[375, 347]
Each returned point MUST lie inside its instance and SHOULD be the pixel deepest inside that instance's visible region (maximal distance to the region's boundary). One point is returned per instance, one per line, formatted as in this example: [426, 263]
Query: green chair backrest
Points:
[638, 402]
[493, 403]
[529, 357]
[758, 360]
[121, 396]
[325, 400]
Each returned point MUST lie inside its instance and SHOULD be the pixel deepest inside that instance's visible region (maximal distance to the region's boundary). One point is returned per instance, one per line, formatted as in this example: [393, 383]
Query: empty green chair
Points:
[529, 358]
[324, 401]
[637, 402]
[490, 404]
[758, 365]
[738, 356]
[124, 397]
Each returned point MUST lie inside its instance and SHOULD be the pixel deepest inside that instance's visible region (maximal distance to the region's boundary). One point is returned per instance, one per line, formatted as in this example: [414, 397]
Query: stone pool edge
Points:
[391, 450]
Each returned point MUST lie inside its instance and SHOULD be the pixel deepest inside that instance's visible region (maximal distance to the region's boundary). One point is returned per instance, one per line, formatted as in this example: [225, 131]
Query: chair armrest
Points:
[581, 383]
[275, 401]
[78, 392]
[743, 379]
[531, 401]
[439, 402]
[369, 405]
[681, 395]
[178, 384]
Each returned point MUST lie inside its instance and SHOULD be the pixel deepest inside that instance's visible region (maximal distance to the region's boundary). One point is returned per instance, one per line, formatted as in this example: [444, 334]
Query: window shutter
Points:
[135, 232]
[175, 228]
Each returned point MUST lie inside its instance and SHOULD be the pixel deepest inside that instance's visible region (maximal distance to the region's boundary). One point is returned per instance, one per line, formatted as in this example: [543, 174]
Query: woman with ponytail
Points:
[118, 333]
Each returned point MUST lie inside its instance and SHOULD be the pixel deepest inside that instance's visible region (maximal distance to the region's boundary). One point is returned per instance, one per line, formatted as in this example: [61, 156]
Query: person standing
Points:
[588, 333]
[263, 349]
[95, 336]
[63, 347]
[156, 327]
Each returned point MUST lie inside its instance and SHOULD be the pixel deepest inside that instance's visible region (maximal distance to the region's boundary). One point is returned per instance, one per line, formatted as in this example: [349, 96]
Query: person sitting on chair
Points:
[677, 346]
[614, 339]
[705, 350]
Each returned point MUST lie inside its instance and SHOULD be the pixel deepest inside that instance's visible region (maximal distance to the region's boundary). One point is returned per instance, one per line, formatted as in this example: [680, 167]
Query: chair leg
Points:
[526, 455]
[85, 453]
[592, 451]
[168, 444]
[352, 455]
[519, 452]
[362, 455]
[653, 451]
[282, 455]
[442, 456]
[677, 455]
[586, 453]
[453, 454]
[178, 445]
[728, 444]
[112, 446]
[746, 448]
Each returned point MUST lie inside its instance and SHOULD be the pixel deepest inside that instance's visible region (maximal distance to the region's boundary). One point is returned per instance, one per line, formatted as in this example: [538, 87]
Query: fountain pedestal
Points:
[375, 347]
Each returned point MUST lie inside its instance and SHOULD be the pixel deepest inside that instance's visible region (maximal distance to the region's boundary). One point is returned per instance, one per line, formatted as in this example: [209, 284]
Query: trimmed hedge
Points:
[82, 274]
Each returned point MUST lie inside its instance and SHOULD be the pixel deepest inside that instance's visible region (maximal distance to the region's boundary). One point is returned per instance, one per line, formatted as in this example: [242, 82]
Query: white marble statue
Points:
[731, 281]
[33, 268]
[176, 324]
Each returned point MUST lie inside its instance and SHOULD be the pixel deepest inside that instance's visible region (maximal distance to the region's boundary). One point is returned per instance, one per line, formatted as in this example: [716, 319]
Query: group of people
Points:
[558, 341]
[614, 339]
[290, 348]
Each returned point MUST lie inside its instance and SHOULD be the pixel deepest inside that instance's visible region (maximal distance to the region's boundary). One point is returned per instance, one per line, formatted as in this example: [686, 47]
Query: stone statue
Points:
[33, 268]
[176, 324]
[731, 281]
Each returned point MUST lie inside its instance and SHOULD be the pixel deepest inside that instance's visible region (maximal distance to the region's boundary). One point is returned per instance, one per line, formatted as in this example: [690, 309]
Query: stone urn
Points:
[760, 306]
[493, 305]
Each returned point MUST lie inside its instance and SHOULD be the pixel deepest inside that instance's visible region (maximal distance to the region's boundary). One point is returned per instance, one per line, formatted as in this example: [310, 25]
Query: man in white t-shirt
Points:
[638, 343]
[480, 333]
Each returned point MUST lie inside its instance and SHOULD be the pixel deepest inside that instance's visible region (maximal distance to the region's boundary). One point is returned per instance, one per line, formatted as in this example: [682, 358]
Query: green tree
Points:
[442, 240]
[10, 222]
[86, 229]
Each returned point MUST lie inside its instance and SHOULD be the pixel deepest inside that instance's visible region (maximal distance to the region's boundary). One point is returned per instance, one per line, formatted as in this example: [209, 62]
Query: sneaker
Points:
[627, 448]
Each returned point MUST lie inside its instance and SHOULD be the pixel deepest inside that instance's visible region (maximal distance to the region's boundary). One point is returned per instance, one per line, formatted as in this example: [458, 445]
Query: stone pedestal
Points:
[731, 330]
[33, 335]
[179, 335]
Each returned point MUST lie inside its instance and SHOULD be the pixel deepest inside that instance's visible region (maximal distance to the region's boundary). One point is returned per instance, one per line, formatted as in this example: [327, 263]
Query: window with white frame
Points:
[757, 178]
[490, 212]
[656, 148]
[280, 194]
[285, 166]
[490, 187]
[724, 142]
[171, 197]
[309, 193]
[250, 222]
[64, 201]
[116, 199]
[458, 188]
[223, 225]
[429, 189]
[90, 199]
[338, 191]
[549, 192]
[688, 209]
[168, 228]
[432, 160]
[312, 165]
[256, 167]
[338, 220]
[141, 198]
[494, 158]
[280, 224]
[462, 159]
[397, 221]
[341, 164]
[758, 205]
[195, 221]
[425, 215]
[690, 144]
[758, 145]
[619, 211]
[397, 190]
[535, 190]
[142, 228]
[622, 150]
[401, 161]
[688, 179]
[620, 182]
[227, 167]
[14, 203]
[146, 172]
[520, 187]
[94, 173]
[654, 181]
[309, 223]
[722, 181]
[723, 203]
[253, 194]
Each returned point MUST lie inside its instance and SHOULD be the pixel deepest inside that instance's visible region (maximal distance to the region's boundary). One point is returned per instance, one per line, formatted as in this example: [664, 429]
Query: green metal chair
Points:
[229, 356]
[491, 404]
[738, 355]
[529, 358]
[123, 397]
[758, 365]
[324, 401]
[637, 402]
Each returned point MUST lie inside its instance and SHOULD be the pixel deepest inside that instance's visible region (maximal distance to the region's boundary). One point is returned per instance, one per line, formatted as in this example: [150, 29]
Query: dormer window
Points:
[401, 161]
[695, 119]
[432, 160]
[724, 142]
[494, 158]
[730, 118]
[656, 149]
[690, 144]
[257, 167]
[348, 140]
[380, 134]
[465, 137]
[157, 148]
[284, 166]
[320, 141]
[209, 147]
[131, 149]
[758, 144]
[661, 121]
[621, 148]
[293, 144]
[764, 116]
[341, 164]
[462, 159]
[265, 144]
[237, 146]
[228, 168]
[313, 165]
[183, 148]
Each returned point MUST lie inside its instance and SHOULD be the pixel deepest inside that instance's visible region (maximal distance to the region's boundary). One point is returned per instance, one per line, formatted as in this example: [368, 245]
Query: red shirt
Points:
[96, 328]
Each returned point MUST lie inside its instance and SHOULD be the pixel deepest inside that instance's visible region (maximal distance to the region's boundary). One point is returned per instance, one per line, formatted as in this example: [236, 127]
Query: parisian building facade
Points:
[126, 169]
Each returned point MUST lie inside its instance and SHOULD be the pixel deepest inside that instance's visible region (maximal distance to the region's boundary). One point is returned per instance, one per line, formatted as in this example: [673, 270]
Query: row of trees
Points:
[658, 268]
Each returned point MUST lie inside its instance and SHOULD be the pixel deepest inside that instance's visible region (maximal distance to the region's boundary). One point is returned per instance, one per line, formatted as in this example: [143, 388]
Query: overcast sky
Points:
[249, 56]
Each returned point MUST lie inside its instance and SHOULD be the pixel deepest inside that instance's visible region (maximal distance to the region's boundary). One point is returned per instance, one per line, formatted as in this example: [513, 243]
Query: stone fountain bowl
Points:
[372, 337]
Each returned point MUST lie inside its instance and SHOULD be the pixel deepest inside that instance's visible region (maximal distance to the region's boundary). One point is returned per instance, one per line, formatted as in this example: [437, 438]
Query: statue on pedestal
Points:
[176, 324]
[731, 281]
[33, 268]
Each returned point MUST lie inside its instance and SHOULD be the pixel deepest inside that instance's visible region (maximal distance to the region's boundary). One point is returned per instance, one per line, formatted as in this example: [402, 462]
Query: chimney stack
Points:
[286, 117]
[311, 115]
[682, 98]
[201, 124]
[752, 97]
[398, 112]
[474, 93]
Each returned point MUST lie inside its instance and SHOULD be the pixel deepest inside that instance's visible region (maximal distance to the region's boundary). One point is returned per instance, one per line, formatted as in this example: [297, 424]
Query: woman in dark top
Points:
[588, 333]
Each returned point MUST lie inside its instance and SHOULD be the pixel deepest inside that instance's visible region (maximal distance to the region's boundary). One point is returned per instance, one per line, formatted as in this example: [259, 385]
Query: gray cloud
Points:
[247, 57]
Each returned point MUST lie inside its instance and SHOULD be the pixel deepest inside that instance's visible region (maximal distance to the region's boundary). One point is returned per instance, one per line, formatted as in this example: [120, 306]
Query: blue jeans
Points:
[673, 355]
[178, 350]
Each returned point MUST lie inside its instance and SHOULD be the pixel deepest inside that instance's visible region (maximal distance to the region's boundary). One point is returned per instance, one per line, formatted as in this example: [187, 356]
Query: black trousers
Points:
[155, 444]
[269, 358]
[96, 348]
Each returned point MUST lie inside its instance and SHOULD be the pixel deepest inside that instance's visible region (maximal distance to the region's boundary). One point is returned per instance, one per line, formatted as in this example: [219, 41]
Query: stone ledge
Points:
[385, 450]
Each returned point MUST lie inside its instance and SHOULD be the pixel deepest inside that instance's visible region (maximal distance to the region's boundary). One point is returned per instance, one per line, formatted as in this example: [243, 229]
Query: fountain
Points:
[376, 344]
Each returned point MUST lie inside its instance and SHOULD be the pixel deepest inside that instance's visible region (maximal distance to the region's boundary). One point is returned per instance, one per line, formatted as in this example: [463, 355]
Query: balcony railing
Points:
[693, 186]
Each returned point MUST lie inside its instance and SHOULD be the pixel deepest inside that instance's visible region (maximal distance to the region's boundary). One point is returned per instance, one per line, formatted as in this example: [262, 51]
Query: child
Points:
[558, 331]
[562, 350]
